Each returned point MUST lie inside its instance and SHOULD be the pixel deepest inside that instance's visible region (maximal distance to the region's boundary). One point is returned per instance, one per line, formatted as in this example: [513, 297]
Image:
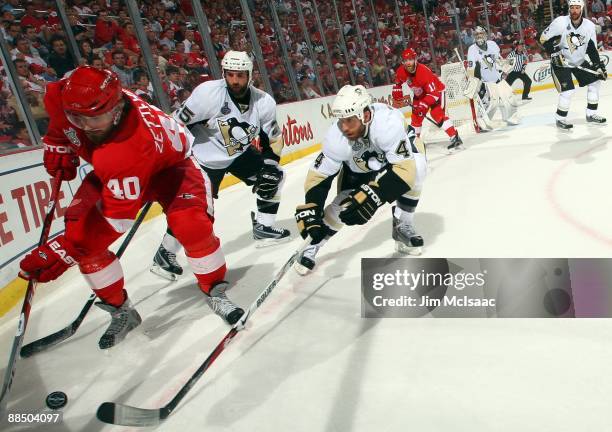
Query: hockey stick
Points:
[29, 295]
[48, 341]
[406, 101]
[126, 415]
[594, 72]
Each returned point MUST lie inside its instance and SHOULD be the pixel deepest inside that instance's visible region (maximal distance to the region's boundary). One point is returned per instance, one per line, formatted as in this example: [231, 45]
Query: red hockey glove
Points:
[60, 158]
[49, 261]
[397, 93]
[420, 108]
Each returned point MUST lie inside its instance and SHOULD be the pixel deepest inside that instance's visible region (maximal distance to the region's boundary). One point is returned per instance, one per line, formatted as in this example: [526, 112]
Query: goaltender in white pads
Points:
[485, 67]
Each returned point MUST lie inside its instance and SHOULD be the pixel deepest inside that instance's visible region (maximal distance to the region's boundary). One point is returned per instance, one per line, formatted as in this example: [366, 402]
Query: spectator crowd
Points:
[355, 41]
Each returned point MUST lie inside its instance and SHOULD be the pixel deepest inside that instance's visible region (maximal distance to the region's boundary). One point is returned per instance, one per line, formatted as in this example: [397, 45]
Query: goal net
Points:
[458, 106]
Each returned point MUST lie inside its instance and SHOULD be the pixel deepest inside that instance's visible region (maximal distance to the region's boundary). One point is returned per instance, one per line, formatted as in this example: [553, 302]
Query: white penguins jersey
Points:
[489, 71]
[386, 142]
[574, 41]
[222, 130]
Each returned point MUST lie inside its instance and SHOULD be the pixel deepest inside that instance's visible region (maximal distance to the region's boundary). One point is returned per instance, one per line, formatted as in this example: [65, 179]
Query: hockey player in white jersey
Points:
[485, 66]
[227, 117]
[568, 40]
[379, 160]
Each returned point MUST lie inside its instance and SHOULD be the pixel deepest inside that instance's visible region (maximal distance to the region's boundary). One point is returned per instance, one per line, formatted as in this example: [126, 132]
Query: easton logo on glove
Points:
[373, 195]
[57, 248]
[305, 213]
[58, 149]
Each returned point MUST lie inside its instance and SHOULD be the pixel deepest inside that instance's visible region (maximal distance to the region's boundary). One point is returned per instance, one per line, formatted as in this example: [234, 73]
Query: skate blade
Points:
[300, 269]
[155, 269]
[264, 243]
[407, 250]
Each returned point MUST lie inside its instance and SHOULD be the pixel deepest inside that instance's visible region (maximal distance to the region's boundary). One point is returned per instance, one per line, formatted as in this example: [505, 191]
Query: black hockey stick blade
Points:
[114, 413]
[48, 341]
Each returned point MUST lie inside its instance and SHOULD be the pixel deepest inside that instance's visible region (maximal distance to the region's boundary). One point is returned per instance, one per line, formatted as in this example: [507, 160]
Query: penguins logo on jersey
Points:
[236, 135]
[362, 160]
[488, 60]
[574, 41]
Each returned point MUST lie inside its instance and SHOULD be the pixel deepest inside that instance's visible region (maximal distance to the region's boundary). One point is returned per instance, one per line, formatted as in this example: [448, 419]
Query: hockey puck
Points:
[56, 400]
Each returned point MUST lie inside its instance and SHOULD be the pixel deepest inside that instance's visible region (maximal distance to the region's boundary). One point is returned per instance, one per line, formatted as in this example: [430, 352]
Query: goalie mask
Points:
[480, 37]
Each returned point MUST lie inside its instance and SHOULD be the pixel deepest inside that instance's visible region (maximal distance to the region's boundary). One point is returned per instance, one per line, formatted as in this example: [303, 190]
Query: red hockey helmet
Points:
[409, 54]
[90, 97]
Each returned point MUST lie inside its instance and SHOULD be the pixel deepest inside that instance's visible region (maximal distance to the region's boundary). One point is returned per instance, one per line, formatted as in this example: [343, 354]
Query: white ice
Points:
[309, 362]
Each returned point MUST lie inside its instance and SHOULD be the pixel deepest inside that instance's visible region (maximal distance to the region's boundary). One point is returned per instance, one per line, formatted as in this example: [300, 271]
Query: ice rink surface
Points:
[308, 361]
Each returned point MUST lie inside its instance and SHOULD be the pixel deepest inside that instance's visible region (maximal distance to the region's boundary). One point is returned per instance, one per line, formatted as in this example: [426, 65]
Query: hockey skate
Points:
[268, 235]
[562, 124]
[217, 300]
[123, 320]
[597, 119]
[165, 265]
[407, 241]
[305, 262]
[455, 145]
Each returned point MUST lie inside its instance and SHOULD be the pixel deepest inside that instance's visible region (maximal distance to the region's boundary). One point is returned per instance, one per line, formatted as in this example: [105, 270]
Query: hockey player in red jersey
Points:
[138, 154]
[428, 93]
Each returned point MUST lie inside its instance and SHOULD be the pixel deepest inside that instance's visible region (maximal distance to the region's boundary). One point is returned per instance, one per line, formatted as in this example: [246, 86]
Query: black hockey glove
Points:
[361, 204]
[309, 218]
[557, 60]
[601, 68]
[268, 181]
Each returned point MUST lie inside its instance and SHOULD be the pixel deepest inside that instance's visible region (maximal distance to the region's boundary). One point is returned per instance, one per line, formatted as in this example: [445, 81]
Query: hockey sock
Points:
[449, 128]
[266, 212]
[404, 215]
[170, 243]
[104, 275]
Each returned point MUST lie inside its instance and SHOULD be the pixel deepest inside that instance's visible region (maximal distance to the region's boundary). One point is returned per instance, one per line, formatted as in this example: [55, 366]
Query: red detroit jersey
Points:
[146, 142]
[422, 82]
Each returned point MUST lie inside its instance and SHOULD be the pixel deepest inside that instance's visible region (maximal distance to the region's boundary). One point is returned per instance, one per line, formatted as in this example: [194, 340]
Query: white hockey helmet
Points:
[351, 101]
[480, 35]
[576, 3]
[238, 61]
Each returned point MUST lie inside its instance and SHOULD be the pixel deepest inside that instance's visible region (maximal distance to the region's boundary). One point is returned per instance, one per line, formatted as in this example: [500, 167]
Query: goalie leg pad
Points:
[506, 93]
[472, 88]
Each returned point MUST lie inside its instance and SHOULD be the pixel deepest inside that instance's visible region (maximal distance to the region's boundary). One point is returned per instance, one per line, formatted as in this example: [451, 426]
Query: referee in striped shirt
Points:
[520, 62]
